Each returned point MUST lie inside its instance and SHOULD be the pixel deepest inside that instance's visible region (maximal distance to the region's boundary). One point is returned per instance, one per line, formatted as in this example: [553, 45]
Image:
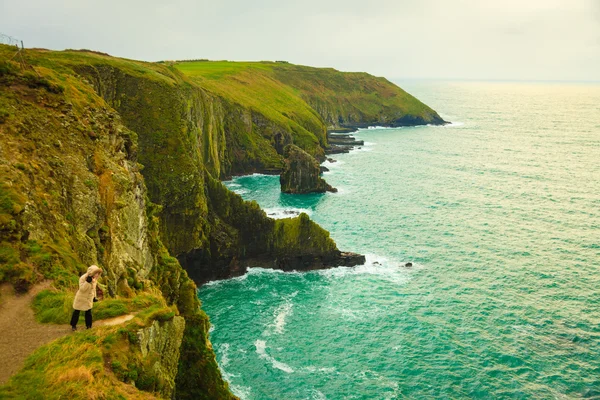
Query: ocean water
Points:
[500, 214]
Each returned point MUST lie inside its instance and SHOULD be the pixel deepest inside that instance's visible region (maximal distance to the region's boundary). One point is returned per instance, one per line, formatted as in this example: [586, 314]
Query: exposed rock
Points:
[323, 169]
[160, 345]
[308, 262]
[408, 264]
[341, 143]
[334, 149]
[301, 173]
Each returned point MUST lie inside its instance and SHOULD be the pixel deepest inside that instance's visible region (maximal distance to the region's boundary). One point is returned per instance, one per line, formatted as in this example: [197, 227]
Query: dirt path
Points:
[20, 334]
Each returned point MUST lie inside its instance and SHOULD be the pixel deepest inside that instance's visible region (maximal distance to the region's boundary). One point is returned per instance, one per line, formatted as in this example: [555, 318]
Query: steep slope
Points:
[355, 99]
[117, 162]
[293, 94]
[71, 194]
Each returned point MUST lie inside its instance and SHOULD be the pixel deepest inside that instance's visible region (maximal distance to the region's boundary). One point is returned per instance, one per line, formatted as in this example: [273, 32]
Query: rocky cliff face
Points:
[183, 131]
[117, 162]
[356, 99]
[160, 345]
[71, 194]
[302, 173]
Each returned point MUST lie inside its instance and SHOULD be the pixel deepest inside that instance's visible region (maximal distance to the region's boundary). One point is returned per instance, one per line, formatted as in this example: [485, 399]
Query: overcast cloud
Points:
[446, 39]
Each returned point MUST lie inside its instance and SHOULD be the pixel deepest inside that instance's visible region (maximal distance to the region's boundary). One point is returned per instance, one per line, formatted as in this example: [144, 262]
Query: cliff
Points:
[295, 94]
[302, 173]
[117, 162]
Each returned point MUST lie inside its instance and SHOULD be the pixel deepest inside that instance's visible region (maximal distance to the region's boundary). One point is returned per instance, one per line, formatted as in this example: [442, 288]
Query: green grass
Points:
[252, 85]
[220, 69]
[56, 307]
[82, 366]
[281, 90]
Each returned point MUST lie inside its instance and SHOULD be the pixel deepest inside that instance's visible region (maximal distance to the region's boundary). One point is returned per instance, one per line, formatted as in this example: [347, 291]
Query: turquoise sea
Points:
[500, 214]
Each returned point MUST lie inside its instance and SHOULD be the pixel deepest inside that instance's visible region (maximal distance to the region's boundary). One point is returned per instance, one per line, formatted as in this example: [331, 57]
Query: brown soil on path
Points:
[114, 321]
[20, 334]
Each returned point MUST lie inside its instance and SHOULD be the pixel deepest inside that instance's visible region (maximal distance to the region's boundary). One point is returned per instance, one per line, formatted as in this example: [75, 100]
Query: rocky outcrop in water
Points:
[341, 142]
[117, 162]
[301, 173]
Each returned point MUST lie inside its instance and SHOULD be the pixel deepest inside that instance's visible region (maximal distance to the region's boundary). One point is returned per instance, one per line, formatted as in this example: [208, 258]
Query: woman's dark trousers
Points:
[88, 318]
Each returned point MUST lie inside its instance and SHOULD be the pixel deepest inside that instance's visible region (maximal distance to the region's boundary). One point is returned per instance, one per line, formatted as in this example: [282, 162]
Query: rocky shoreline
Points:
[302, 263]
[341, 143]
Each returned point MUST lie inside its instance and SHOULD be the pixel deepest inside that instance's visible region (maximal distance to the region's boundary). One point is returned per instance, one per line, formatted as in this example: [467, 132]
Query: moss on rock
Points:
[302, 173]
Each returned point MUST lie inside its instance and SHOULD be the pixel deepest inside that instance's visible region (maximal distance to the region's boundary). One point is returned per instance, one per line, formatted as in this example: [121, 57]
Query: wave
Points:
[331, 165]
[243, 392]
[390, 270]
[224, 352]
[281, 314]
[360, 149]
[379, 266]
[450, 125]
[370, 128]
[285, 212]
[261, 350]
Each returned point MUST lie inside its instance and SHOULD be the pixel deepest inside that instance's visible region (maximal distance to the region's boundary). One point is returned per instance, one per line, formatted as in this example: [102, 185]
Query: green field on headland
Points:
[117, 162]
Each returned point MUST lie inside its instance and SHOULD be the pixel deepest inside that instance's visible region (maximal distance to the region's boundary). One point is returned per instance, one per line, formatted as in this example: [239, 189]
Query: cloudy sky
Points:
[399, 39]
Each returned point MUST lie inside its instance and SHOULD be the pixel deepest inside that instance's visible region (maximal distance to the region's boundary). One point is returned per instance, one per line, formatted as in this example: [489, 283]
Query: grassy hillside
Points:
[253, 85]
[117, 162]
[295, 92]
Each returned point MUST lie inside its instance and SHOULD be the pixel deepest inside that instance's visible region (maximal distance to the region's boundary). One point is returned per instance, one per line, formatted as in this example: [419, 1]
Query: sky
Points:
[398, 39]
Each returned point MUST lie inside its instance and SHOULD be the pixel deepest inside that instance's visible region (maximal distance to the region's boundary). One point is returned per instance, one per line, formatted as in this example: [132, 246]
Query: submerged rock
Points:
[301, 173]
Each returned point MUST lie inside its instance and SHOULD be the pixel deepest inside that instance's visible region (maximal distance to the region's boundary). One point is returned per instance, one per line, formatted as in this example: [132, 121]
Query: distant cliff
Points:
[117, 162]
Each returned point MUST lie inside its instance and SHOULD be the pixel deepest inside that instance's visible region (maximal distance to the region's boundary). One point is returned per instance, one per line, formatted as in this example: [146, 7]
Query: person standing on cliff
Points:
[86, 296]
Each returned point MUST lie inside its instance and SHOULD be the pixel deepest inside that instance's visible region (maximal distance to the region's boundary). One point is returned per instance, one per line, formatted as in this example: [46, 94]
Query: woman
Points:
[86, 296]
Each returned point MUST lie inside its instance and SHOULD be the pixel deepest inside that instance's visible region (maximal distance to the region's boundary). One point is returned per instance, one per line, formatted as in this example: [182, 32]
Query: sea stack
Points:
[301, 173]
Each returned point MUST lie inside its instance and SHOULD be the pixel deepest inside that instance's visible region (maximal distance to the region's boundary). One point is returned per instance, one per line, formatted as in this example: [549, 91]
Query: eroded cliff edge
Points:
[118, 162]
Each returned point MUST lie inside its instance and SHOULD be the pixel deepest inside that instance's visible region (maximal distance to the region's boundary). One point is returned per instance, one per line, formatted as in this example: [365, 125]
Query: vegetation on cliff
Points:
[296, 93]
[71, 194]
[302, 173]
[117, 162]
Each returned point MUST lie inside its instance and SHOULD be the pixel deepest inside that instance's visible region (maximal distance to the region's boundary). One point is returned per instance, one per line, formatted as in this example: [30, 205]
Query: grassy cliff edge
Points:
[117, 162]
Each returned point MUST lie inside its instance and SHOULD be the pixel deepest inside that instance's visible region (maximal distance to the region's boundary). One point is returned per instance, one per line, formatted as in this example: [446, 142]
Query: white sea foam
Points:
[376, 127]
[258, 174]
[313, 369]
[243, 392]
[232, 184]
[316, 395]
[218, 282]
[261, 350]
[361, 149]
[285, 212]
[450, 125]
[340, 191]
[223, 350]
[241, 191]
[375, 265]
[281, 314]
[331, 165]
[393, 271]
